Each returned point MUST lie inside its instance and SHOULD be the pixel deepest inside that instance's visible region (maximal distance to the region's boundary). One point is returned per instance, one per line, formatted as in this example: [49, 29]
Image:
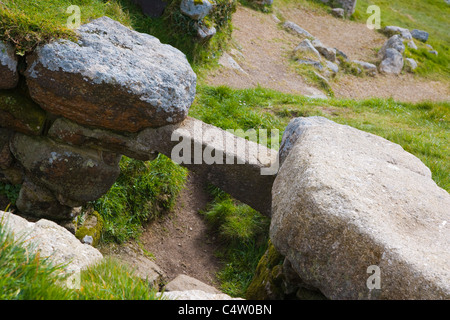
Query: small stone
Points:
[420, 35]
[338, 12]
[410, 64]
[88, 240]
[412, 45]
[306, 50]
[392, 62]
[196, 9]
[294, 28]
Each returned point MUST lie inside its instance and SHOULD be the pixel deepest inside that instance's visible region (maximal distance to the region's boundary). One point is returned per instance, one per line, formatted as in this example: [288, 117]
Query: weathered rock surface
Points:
[420, 35]
[338, 12]
[71, 133]
[205, 33]
[392, 62]
[296, 29]
[410, 64]
[412, 45]
[52, 241]
[39, 202]
[76, 176]
[394, 42]
[142, 266]
[113, 78]
[306, 49]
[403, 32]
[370, 68]
[328, 53]
[194, 295]
[345, 200]
[348, 5]
[19, 113]
[196, 9]
[8, 67]
[241, 167]
[184, 283]
[6, 158]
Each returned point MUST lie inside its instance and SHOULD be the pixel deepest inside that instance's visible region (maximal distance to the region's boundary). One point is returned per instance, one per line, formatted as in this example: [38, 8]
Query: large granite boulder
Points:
[52, 241]
[112, 77]
[8, 66]
[358, 217]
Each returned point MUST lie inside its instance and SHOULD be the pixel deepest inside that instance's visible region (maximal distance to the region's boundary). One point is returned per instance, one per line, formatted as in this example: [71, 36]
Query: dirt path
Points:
[262, 50]
[181, 241]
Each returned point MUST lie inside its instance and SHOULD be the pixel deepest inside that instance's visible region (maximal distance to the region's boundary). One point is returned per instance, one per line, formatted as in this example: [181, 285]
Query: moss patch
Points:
[92, 227]
[267, 282]
[20, 113]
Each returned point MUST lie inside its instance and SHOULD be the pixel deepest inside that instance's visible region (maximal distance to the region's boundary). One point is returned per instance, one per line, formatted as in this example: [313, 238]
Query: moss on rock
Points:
[91, 230]
[268, 279]
[20, 113]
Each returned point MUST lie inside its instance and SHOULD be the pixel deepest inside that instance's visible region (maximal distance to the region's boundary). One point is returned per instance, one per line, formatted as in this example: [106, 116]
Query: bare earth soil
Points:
[181, 241]
[262, 50]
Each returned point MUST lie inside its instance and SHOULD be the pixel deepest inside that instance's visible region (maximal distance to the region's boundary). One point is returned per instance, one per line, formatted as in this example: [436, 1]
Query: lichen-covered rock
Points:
[52, 241]
[346, 201]
[196, 9]
[6, 158]
[91, 229]
[76, 176]
[183, 283]
[21, 114]
[392, 62]
[194, 295]
[403, 32]
[297, 30]
[348, 5]
[370, 68]
[394, 42]
[328, 53]
[112, 77]
[420, 35]
[8, 67]
[71, 133]
[410, 64]
[267, 281]
[306, 50]
[38, 201]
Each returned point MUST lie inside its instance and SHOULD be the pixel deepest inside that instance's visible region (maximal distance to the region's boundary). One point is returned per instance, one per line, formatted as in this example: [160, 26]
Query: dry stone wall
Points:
[66, 121]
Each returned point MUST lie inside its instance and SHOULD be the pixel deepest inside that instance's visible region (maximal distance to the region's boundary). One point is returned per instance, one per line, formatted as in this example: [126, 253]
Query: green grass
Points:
[143, 192]
[429, 15]
[11, 192]
[28, 23]
[113, 280]
[421, 129]
[243, 235]
[24, 275]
